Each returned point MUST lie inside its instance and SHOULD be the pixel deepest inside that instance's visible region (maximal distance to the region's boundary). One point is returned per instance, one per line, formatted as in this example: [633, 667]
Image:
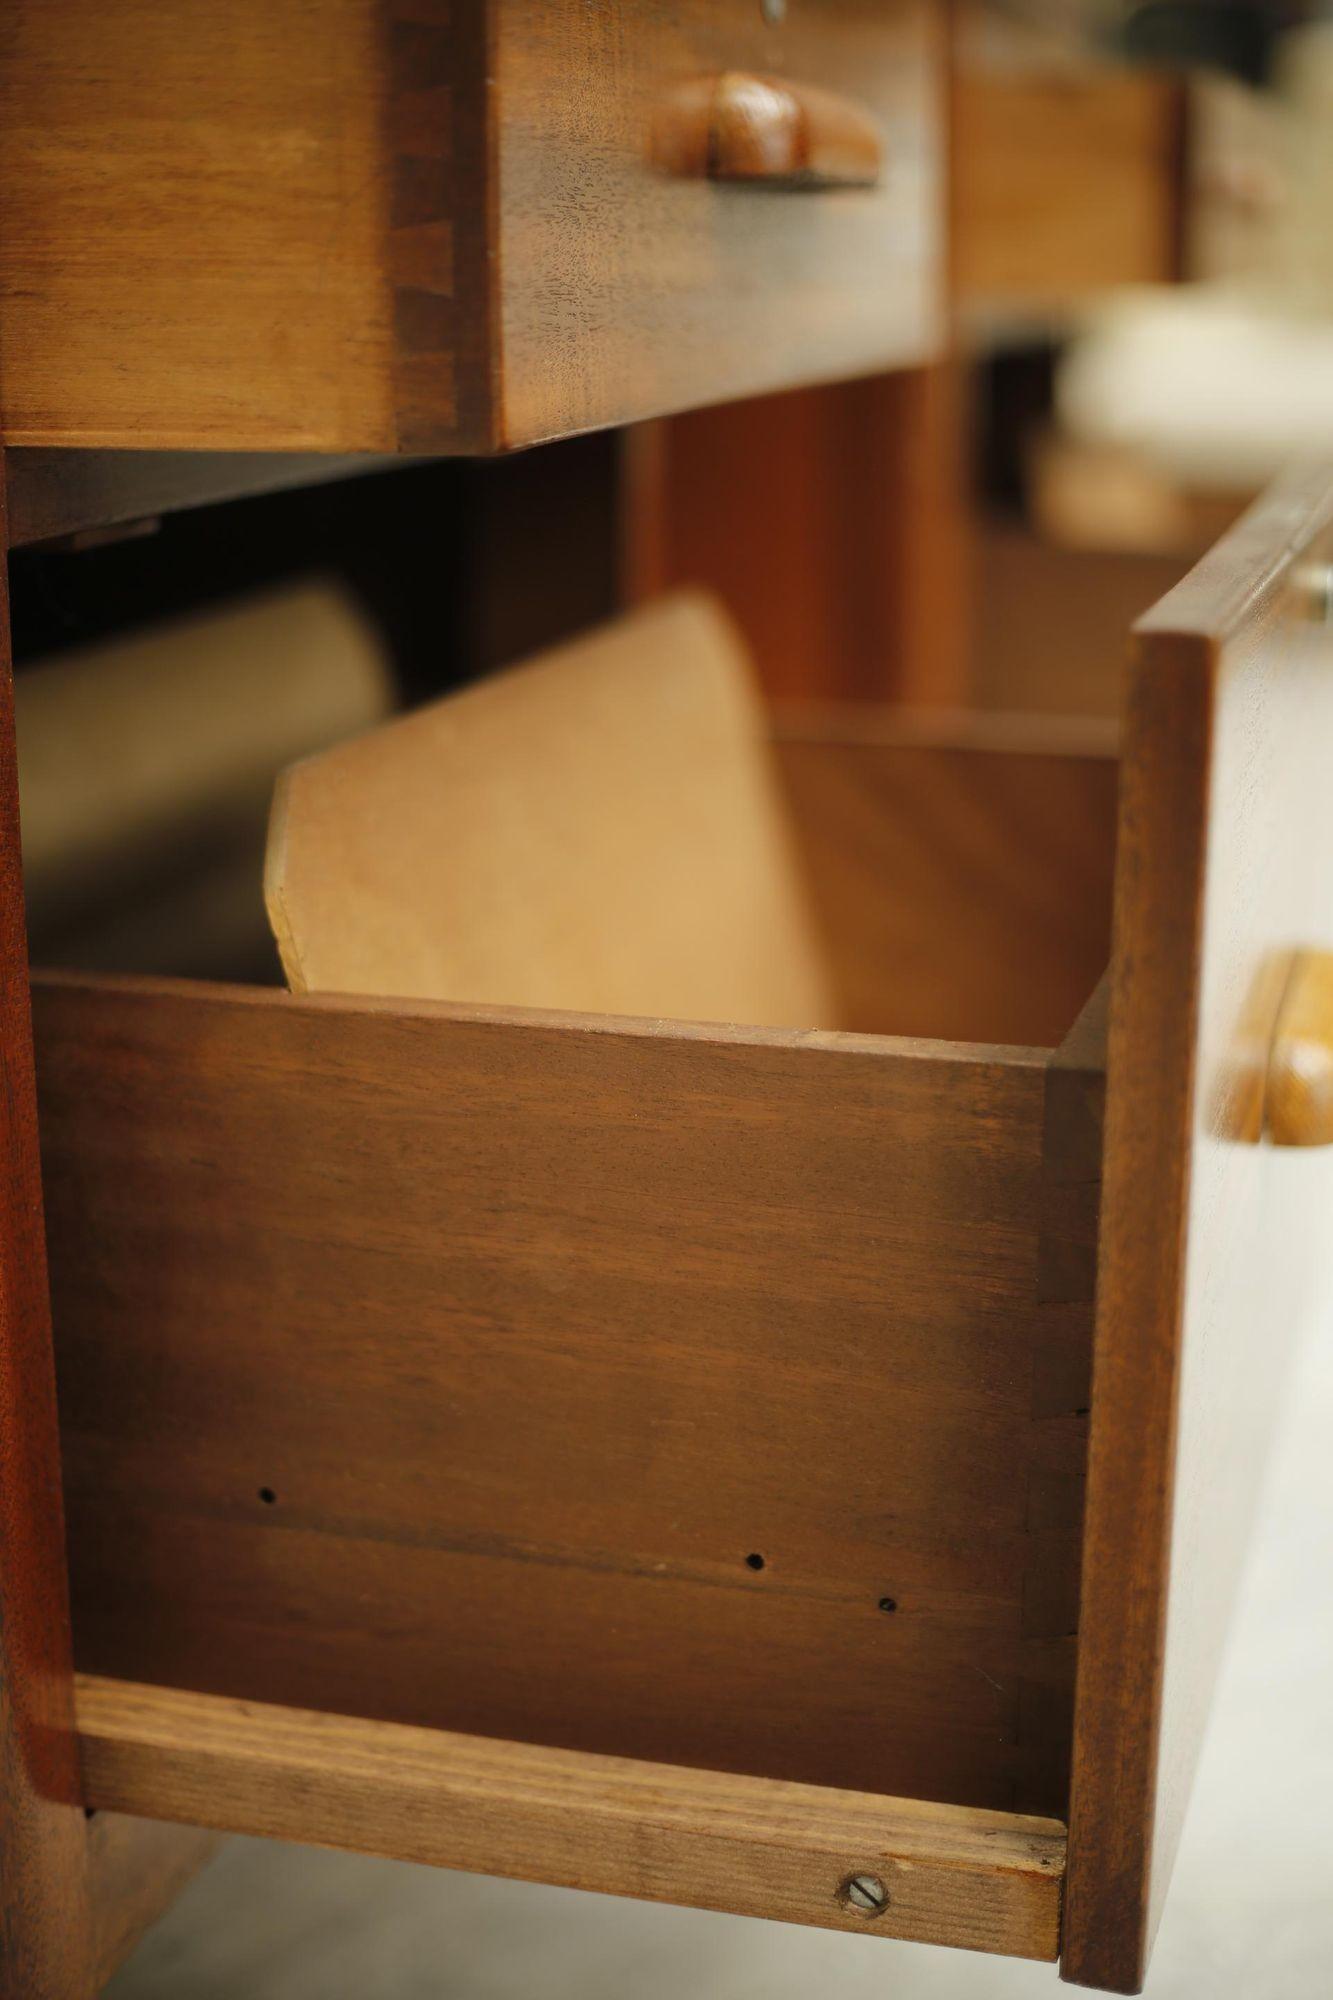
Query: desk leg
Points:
[45, 1912]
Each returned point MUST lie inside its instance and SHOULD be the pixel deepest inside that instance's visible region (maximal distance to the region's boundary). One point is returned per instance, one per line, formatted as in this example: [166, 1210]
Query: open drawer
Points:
[651, 1456]
[406, 225]
[631, 1388]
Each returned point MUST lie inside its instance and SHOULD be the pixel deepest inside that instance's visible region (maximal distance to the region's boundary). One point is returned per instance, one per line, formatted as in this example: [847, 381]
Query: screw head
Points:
[865, 1894]
[773, 11]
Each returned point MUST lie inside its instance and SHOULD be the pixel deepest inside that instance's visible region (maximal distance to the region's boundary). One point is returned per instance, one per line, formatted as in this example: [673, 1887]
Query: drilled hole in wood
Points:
[267, 1495]
[888, 1604]
[754, 1562]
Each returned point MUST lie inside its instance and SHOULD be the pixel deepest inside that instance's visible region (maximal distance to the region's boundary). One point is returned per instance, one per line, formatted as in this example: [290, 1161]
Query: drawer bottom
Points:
[843, 1860]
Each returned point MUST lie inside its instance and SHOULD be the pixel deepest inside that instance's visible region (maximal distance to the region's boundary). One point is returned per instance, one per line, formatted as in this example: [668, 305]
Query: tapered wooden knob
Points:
[765, 131]
[1299, 1098]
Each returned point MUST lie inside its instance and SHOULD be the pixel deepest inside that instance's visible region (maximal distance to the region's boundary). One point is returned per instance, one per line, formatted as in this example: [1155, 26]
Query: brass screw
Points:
[865, 1894]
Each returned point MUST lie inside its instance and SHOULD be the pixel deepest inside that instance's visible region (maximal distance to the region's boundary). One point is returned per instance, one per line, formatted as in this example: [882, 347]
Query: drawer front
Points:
[625, 290]
[398, 225]
[1038, 151]
[1213, 1237]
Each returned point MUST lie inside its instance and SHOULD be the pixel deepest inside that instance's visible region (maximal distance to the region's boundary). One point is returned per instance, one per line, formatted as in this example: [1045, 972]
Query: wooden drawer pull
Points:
[761, 130]
[1299, 1106]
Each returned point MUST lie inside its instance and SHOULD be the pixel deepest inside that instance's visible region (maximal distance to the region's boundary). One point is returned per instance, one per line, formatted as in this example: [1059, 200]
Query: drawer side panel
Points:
[654, 1391]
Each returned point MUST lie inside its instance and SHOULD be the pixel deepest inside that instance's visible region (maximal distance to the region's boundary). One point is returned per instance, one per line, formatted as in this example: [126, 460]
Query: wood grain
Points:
[1053, 638]
[72, 1901]
[600, 829]
[1212, 1247]
[1067, 181]
[625, 293]
[1062, 1362]
[405, 225]
[534, 1329]
[961, 871]
[195, 226]
[832, 525]
[45, 1919]
[436, 123]
[986, 1881]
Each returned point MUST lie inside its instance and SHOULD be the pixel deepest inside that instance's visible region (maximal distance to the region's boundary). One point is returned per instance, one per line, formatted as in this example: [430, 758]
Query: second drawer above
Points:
[384, 225]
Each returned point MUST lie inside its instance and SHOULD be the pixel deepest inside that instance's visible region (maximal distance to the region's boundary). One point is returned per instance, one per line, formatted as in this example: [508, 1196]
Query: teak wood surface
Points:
[953, 1875]
[1213, 1245]
[1067, 182]
[449, 1366]
[836, 523]
[74, 1895]
[45, 1912]
[830, 522]
[960, 867]
[406, 225]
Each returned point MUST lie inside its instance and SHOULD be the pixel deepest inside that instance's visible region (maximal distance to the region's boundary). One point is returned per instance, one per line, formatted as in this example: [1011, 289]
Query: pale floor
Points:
[1250, 1915]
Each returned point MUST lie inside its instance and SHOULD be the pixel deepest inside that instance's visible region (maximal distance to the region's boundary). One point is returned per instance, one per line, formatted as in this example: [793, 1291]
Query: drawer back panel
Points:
[621, 1386]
